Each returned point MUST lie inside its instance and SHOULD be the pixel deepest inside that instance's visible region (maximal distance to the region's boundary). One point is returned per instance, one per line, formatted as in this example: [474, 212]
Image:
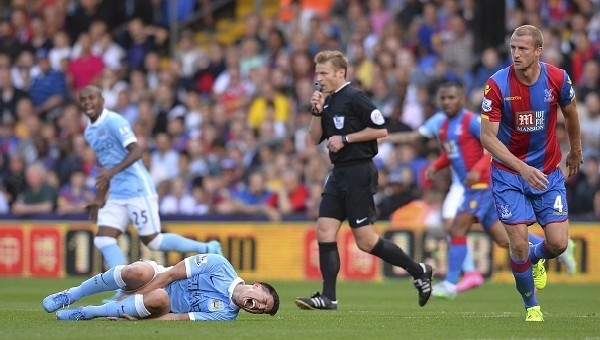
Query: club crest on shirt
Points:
[215, 305]
[101, 133]
[338, 121]
[548, 95]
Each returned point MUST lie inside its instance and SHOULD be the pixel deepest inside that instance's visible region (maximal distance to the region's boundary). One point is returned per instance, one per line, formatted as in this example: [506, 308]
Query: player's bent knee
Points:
[137, 275]
[157, 302]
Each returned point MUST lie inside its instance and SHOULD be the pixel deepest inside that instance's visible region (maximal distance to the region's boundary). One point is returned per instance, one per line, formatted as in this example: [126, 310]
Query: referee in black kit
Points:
[350, 124]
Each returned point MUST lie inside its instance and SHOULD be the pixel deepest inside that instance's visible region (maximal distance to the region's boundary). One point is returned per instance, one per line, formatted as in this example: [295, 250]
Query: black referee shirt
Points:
[346, 111]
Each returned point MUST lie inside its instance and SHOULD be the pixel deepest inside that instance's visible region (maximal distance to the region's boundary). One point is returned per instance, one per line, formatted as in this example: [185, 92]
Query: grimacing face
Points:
[256, 300]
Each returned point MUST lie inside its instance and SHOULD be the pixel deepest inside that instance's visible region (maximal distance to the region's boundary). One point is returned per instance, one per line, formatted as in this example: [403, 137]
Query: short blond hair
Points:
[336, 58]
[532, 31]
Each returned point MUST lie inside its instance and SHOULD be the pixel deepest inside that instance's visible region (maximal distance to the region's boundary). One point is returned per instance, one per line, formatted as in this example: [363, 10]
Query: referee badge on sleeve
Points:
[377, 117]
[338, 121]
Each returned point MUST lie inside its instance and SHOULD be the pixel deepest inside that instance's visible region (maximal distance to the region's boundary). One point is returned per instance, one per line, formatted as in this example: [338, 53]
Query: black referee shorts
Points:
[348, 193]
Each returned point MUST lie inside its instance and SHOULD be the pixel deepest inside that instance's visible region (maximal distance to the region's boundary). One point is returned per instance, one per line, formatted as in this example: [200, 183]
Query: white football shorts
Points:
[452, 201]
[141, 211]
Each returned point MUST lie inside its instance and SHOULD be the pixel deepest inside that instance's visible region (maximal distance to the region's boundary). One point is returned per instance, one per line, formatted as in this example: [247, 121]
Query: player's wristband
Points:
[345, 139]
[316, 112]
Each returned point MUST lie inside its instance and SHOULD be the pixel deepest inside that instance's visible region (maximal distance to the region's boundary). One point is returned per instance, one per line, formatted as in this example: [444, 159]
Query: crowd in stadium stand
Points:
[223, 126]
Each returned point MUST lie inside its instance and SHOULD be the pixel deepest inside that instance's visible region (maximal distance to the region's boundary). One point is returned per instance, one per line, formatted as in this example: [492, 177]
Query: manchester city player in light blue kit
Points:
[201, 287]
[131, 193]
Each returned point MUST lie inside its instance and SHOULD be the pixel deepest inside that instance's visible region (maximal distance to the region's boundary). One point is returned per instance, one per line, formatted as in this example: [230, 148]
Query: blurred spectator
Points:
[82, 15]
[269, 99]
[14, 180]
[9, 95]
[123, 11]
[163, 160]
[39, 197]
[39, 37]
[8, 43]
[74, 195]
[126, 108]
[590, 123]
[111, 87]
[590, 80]
[586, 187]
[112, 54]
[20, 25]
[86, 68]
[252, 199]
[60, 52]
[292, 196]
[48, 89]
[138, 86]
[457, 46]
[139, 39]
[490, 63]
[202, 203]
[178, 201]
[190, 55]
[177, 133]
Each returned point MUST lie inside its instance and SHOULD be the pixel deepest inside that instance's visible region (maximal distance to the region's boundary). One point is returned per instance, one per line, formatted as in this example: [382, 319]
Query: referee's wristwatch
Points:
[345, 139]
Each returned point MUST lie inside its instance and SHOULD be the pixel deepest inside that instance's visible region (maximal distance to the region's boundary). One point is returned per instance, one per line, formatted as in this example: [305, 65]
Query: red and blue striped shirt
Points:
[528, 114]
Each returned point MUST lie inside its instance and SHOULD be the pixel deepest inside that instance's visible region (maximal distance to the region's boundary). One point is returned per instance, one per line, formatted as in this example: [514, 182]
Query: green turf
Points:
[385, 310]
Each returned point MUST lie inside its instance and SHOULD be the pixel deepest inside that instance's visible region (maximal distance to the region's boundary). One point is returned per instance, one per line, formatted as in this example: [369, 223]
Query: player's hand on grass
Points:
[574, 159]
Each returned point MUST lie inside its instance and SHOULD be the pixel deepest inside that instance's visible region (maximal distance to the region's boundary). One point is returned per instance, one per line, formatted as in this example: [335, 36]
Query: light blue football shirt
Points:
[109, 137]
[206, 293]
[430, 129]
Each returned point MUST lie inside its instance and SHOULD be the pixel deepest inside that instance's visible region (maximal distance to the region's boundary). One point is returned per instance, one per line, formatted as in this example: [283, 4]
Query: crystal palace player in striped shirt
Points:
[459, 136]
[518, 127]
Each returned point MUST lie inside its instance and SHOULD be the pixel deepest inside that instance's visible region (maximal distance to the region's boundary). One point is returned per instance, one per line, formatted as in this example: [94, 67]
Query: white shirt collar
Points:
[232, 286]
[341, 87]
[101, 118]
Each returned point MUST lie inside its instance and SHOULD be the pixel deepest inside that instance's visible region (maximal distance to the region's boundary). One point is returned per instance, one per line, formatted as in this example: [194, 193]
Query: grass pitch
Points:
[367, 310]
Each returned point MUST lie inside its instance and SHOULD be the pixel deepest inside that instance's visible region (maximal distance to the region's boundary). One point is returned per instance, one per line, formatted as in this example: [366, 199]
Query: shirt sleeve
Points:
[567, 92]
[475, 126]
[213, 316]
[371, 116]
[124, 132]
[202, 263]
[430, 126]
[491, 106]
